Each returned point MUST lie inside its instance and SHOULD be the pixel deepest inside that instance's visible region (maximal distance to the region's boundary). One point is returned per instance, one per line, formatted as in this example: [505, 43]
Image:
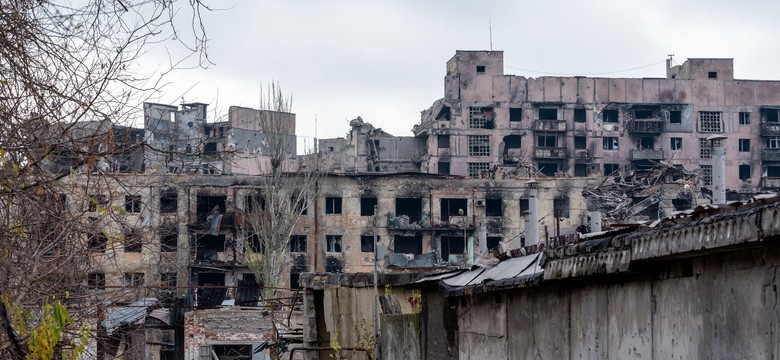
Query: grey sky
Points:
[385, 61]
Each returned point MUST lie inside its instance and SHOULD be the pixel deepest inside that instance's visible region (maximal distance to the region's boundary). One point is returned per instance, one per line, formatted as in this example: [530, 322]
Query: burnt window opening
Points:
[443, 141]
[333, 205]
[452, 245]
[133, 241]
[515, 114]
[411, 207]
[773, 171]
[744, 172]
[96, 202]
[444, 168]
[298, 243]
[453, 207]
[367, 205]
[645, 143]
[580, 170]
[548, 169]
[169, 238]
[580, 142]
[96, 280]
[712, 75]
[97, 241]
[298, 203]
[211, 279]
[133, 279]
[444, 113]
[525, 206]
[333, 243]
[133, 203]
[494, 207]
[169, 202]
[294, 281]
[206, 204]
[254, 203]
[408, 244]
[675, 117]
[480, 69]
[610, 169]
[547, 141]
[367, 243]
[208, 246]
[579, 115]
[610, 143]
[210, 148]
[255, 244]
[211, 288]
[675, 143]
[744, 118]
[492, 242]
[643, 114]
[481, 117]
[611, 116]
[561, 207]
[512, 141]
[548, 114]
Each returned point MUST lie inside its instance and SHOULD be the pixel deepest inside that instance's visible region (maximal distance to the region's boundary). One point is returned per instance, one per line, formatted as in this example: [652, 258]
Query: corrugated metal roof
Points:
[508, 268]
[464, 278]
[136, 310]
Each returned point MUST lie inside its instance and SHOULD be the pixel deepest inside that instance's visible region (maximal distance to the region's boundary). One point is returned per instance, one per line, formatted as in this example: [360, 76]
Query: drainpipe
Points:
[532, 232]
[718, 169]
[595, 221]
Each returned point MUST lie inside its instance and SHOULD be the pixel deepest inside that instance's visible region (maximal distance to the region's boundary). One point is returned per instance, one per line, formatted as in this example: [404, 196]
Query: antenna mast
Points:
[490, 29]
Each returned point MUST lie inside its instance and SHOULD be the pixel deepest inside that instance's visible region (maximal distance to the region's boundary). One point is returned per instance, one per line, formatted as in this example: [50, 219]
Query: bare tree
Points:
[288, 185]
[66, 75]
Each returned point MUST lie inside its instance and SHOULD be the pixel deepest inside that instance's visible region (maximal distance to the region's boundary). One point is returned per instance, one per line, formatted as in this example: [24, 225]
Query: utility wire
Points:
[586, 74]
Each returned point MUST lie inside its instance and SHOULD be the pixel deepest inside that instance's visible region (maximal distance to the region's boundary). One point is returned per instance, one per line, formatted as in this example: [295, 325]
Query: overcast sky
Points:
[385, 61]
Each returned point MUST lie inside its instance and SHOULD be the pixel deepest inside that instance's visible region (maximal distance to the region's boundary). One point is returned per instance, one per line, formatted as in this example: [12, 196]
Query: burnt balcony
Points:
[647, 154]
[581, 156]
[770, 182]
[550, 153]
[770, 154]
[550, 125]
[645, 126]
[770, 129]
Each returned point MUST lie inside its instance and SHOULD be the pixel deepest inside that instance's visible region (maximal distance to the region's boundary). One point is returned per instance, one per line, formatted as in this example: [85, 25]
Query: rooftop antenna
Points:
[490, 29]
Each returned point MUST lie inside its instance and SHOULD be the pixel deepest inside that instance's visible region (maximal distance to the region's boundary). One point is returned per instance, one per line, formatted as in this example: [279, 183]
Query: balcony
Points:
[581, 156]
[550, 125]
[645, 126]
[550, 153]
[647, 154]
[770, 129]
[770, 182]
[770, 155]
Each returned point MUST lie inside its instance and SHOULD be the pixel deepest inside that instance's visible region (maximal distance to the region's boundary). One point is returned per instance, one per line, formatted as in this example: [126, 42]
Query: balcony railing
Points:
[770, 155]
[770, 182]
[550, 125]
[550, 153]
[647, 154]
[770, 129]
[645, 126]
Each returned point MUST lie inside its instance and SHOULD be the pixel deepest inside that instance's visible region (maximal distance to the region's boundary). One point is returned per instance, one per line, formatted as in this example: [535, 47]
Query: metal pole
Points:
[376, 294]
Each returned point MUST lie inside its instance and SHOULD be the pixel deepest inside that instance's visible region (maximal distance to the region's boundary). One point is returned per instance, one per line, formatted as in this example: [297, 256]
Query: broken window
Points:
[744, 172]
[133, 203]
[207, 204]
[610, 143]
[744, 145]
[208, 246]
[444, 113]
[444, 167]
[773, 142]
[96, 280]
[494, 207]
[579, 115]
[298, 203]
[453, 207]
[773, 171]
[515, 114]
[367, 243]
[548, 114]
[580, 170]
[411, 207]
[561, 207]
[476, 169]
[610, 169]
[97, 241]
[367, 206]
[580, 142]
[546, 140]
[549, 169]
[705, 148]
[169, 238]
[712, 75]
[709, 121]
[254, 203]
[254, 244]
[480, 69]
[675, 117]
[479, 145]
[512, 141]
[706, 174]
[443, 141]
[452, 245]
[525, 206]
[332, 205]
[210, 148]
[298, 243]
[169, 202]
[168, 286]
[610, 116]
[231, 352]
[481, 117]
[295, 278]
[645, 143]
[744, 118]
[96, 202]
[133, 241]
[493, 241]
[133, 279]
[643, 114]
[771, 115]
[408, 244]
[333, 243]
[675, 143]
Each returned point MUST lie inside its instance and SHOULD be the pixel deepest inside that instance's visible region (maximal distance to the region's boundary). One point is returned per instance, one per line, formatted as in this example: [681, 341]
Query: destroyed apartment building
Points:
[501, 161]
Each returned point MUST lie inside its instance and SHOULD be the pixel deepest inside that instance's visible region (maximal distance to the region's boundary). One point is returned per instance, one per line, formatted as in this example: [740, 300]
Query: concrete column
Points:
[719, 174]
[595, 221]
[532, 232]
[309, 324]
